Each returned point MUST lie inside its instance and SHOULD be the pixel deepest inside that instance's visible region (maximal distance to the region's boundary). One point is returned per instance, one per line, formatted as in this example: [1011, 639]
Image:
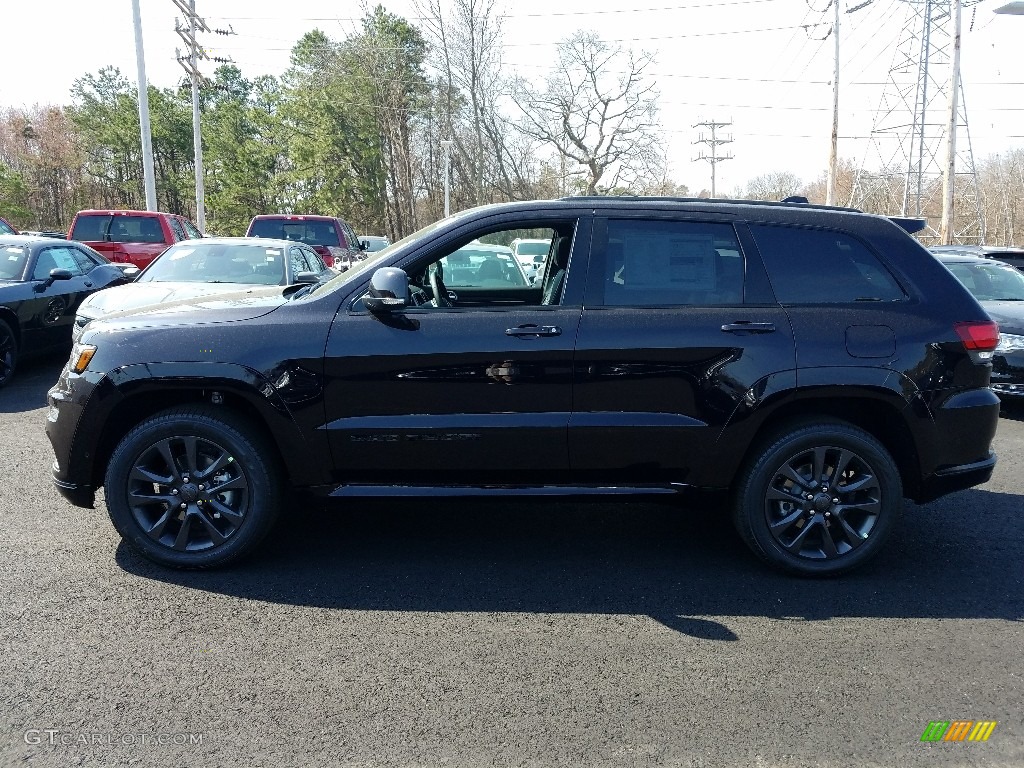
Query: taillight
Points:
[979, 338]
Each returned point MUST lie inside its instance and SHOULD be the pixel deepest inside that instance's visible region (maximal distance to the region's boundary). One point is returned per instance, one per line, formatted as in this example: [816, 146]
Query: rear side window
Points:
[190, 229]
[300, 231]
[90, 229]
[819, 266]
[672, 263]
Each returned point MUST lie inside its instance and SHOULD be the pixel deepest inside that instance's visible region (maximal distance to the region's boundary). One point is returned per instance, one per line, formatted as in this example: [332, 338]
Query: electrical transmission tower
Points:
[194, 24]
[714, 142]
[921, 109]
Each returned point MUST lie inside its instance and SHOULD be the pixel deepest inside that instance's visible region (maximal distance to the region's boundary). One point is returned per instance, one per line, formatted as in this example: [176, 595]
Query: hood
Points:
[151, 304]
[145, 295]
[1008, 314]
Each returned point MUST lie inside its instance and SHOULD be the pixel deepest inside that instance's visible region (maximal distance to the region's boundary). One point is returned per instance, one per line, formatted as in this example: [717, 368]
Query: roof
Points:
[30, 240]
[264, 242]
[122, 212]
[294, 216]
[984, 250]
[953, 257]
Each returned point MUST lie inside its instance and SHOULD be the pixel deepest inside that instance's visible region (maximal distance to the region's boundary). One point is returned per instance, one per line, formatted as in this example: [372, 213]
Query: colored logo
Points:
[958, 730]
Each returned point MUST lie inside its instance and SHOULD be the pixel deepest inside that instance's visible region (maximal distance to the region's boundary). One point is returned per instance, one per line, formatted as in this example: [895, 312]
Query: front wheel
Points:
[193, 487]
[819, 500]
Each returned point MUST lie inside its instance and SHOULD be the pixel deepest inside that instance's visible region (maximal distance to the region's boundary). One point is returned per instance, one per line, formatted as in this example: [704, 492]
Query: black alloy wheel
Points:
[820, 500]
[8, 353]
[193, 487]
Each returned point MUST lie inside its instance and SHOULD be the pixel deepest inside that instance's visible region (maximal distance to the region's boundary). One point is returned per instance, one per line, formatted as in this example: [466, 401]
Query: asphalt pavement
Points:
[420, 633]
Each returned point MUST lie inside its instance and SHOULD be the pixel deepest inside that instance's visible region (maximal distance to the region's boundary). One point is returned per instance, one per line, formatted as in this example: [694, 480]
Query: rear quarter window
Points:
[90, 228]
[821, 266]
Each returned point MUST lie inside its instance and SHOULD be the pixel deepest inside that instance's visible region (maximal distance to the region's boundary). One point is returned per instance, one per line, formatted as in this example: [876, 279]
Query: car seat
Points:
[552, 292]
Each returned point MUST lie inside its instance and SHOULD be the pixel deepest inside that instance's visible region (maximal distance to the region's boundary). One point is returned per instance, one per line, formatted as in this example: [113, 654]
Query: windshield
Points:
[217, 263]
[297, 230]
[533, 249]
[475, 267]
[990, 282]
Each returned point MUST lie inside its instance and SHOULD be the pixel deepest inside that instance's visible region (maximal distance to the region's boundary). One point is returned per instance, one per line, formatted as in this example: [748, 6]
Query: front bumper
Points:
[79, 495]
[71, 471]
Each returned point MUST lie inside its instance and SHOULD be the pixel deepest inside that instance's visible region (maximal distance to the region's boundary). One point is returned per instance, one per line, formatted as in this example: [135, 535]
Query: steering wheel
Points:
[437, 286]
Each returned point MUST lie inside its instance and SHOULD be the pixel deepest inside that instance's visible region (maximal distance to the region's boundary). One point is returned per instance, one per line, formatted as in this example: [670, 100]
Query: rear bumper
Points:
[956, 478]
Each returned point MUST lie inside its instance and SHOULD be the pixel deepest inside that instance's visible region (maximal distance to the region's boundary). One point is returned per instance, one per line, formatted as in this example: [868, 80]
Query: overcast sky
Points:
[760, 63]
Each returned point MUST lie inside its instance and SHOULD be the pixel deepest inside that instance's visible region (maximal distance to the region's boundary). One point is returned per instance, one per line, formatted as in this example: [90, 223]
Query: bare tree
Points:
[774, 186]
[598, 111]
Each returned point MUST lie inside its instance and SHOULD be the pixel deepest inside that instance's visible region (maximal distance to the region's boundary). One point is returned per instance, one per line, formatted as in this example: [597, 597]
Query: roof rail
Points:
[789, 201]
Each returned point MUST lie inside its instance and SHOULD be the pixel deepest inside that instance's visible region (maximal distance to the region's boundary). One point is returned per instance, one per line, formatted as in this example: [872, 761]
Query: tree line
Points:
[357, 127]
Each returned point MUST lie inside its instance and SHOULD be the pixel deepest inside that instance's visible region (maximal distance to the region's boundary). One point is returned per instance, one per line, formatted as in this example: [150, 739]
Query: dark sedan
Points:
[1000, 289]
[42, 283]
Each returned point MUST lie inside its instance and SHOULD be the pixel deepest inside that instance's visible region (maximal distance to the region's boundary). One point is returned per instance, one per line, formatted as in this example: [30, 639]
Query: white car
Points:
[531, 254]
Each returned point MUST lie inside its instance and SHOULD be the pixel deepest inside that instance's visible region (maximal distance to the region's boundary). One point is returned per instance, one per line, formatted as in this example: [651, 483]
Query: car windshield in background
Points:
[471, 267]
[308, 232]
[533, 249]
[990, 282]
[12, 262]
[218, 263]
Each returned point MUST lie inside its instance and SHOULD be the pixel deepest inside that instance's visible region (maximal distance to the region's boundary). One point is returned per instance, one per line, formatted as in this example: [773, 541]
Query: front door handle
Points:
[746, 325]
[534, 330]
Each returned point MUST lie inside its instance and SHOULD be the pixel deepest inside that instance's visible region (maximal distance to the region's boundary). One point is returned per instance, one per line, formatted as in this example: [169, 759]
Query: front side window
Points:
[55, 258]
[190, 229]
[298, 261]
[820, 266]
[672, 263]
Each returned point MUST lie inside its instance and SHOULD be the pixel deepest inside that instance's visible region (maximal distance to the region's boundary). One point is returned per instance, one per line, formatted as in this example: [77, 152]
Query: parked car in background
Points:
[531, 253]
[42, 283]
[373, 243]
[134, 237]
[6, 228]
[1000, 289]
[331, 237]
[1009, 255]
[45, 233]
[200, 268]
[812, 366]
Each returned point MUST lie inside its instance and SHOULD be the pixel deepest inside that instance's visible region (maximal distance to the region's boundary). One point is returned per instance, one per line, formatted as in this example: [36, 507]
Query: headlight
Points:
[1010, 342]
[81, 354]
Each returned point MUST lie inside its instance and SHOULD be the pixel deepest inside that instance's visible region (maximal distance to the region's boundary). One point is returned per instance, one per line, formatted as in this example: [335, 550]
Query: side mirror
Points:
[55, 274]
[389, 290]
[307, 277]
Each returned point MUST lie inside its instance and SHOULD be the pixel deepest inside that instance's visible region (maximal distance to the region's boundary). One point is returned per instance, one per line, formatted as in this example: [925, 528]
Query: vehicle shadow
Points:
[1012, 409]
[32, 378]
[955, 558]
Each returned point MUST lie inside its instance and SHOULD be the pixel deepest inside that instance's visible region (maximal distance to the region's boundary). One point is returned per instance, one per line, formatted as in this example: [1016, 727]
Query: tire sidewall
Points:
[751, 516]
[6, 330]
[263, 499]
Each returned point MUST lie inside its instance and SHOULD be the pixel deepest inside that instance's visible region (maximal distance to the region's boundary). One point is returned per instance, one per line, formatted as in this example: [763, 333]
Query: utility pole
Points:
[190, 63]
[147, 136]
[833, 154]
[713, 142]
[949, 174]
[446, 144]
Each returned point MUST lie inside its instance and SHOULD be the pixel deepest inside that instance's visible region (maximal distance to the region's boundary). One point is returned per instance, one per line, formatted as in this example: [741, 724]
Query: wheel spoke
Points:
[818, 473]
[795, 545]
[828, 545]
[181, 541]
[791, 474]
[161, 525]
[788, 520]
[844, 461]
[215, 536]
[234, 517]
[219, 463]
[778, 494]
[235, 483]
[164, 448]
[190, 456]
[853, 538]
[149, 476]
[864, 482]
[139, 497]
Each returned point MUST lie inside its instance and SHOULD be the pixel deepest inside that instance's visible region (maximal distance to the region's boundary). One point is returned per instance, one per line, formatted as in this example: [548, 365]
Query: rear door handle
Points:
[746, 325]
[534, 330]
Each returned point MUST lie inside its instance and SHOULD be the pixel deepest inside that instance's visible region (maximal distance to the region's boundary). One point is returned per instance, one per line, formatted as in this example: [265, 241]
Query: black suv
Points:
[812, 365]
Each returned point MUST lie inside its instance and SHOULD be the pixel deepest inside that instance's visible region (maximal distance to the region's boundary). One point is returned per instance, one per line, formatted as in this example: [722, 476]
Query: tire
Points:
[785, 506]
[8, 353]
[217, 525]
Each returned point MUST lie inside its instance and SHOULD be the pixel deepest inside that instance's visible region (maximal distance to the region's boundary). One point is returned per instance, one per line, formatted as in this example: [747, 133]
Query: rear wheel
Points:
[193, 487]
[8, 352]
[819, 500]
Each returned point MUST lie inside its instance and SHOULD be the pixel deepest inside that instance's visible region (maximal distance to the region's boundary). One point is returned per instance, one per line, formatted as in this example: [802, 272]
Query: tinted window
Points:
[298, 261]
[316, 264]
[135, 229]
[86, 262]
[4, 229]
[308, 232]
[190, 229]
[817, 266]
[656, 263]
[90, 229]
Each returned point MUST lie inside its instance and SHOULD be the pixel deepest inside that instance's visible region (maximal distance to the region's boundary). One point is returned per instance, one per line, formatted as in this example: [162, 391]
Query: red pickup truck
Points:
[132, 237]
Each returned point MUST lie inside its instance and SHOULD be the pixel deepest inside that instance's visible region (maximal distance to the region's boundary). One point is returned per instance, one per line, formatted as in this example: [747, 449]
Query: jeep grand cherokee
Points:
[815, 366]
